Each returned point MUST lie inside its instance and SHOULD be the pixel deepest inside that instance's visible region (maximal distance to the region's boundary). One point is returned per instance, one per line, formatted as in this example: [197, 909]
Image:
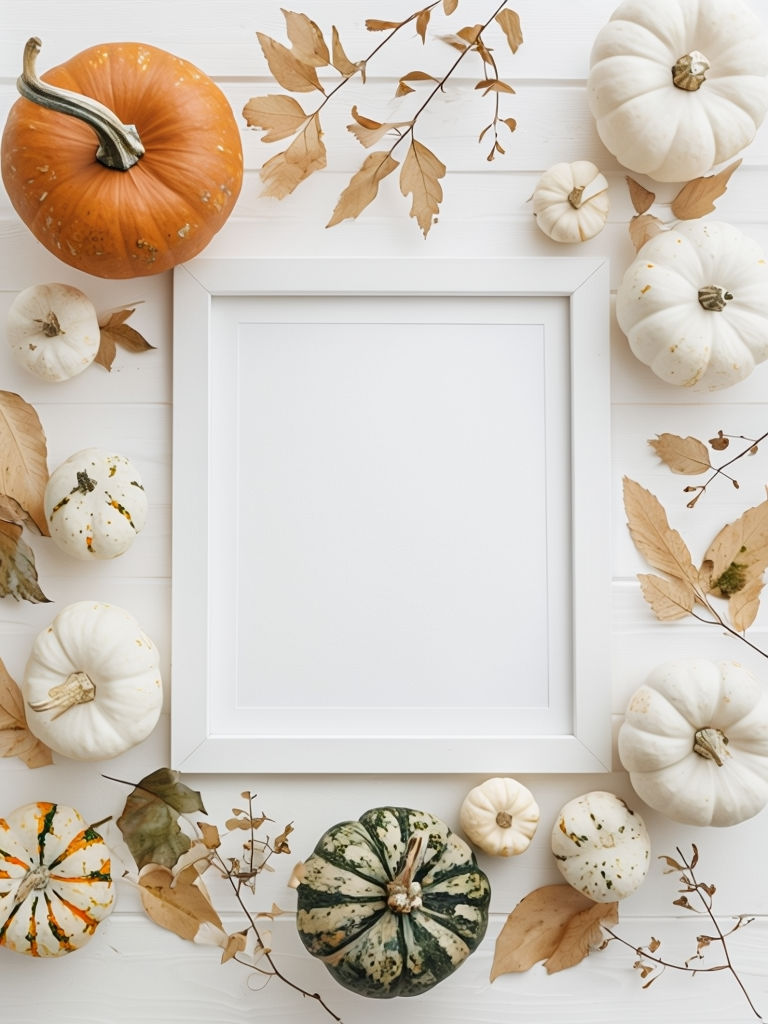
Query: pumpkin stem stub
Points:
[713, 298]
[36, 878]
[711, 743]
[77, 688]
[576, 196]
[119, 144]
[504, 819]
[84, 482]
[403, 893]
[50, 326]
[689, 72]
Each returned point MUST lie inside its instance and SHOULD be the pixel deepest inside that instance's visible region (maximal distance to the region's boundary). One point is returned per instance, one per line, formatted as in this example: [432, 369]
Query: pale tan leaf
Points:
[449, 6]
[744, 605]
[419, 178]
[180, 906]
[554, 923]
[493, 85]
[470, 33]
[23, 456]
[306, 39]
[288, 71]
[643, 227]
[210, 835]
[685, 455]
[510, 25]
[669, 599]
[368, 132]
[422, 21]
[363, 187]
[341, 61]
[377, 25]
[642, 199]
[661, 546]
[305, 155]
[455, 41]
[697, 197]
[739, 553]
[235, 944]
[18, 575]
[277, 115]
[273, 913]
[15, 738]
[12, 512]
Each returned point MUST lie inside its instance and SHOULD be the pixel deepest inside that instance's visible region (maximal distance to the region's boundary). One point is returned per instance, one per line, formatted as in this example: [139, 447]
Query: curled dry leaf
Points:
[18, 574]
[341, 61]
[642, 199]
[115, 331]
[685, 455]
[697, 197]
[150, 819]
[643, 227]
[180, 904]
[419, 178]
[510, 23]
[368, 132]
[23, 457]
[412, 76]
[556, 924]
[15, 738]
[363, 188]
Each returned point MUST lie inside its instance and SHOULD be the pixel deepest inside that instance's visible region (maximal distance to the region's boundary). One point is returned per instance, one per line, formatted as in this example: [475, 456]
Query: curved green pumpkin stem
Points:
[119, 144]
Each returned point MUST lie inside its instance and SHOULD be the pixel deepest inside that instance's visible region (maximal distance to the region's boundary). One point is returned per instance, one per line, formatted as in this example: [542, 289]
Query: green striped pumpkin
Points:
[393, 903]
[55, 882]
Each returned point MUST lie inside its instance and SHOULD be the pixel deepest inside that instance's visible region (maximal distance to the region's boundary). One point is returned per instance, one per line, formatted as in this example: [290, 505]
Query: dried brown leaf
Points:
[669, 599]
[449, 6]
[210, 835]
[644, 227]
[277, 115]
[661, 546]
[739, 552]
[15, 738]
[368, 132]
[114, 331]
[23, 456]
[493, 85]
[12, 512]
[419, 178]
[18, 575]
[555, 923]
[235, 944]
[697, 197]
[180, 905]
[510, 25]
[377, 25]
[305, 155]
[288, 71]
[341, 61]
[149, 821]
[641, 198]
[306, 39]
[412, 76]
[363, 187]
[280, 843]
[685, 455]
[422, 21]
[743, 606]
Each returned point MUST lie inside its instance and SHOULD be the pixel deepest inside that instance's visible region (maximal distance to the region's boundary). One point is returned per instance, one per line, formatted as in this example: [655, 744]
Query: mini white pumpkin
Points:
[601, 846]
[570, 201]
[694, 305]
[53, 330]
[677, 86]
[92, 685]
[500, 816]
[95, 504]
[695, 742]
[57, 887]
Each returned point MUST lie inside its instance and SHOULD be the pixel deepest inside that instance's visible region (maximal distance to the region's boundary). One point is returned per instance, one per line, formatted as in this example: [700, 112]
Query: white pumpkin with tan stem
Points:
[601, 846]
[92, 685]
[677, 86]
[694, 305]
[95, 504]
[53, 331]
[570, 201]
[695, 742]
[500, 816]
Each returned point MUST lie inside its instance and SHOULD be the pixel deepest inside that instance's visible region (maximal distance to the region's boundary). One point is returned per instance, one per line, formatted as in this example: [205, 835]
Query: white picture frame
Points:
[277, 365]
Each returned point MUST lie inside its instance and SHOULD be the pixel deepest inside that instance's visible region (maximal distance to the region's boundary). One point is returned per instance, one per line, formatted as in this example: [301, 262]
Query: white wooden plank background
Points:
[132, 970]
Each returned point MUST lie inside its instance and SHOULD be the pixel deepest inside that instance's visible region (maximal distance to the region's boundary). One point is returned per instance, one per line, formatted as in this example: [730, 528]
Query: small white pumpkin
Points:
[570, 201]
[53, 330]
[95, 504]
[694, 305]
[92, 686]
[601, 846]
[677, 86]
[695, 742]
[500, 816]
[57, 887]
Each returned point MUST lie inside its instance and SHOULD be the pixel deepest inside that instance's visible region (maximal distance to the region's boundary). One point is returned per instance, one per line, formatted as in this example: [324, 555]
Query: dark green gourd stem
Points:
[119, 144]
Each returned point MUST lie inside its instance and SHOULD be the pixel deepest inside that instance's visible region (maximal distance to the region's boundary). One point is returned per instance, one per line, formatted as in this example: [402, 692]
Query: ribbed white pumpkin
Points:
[500, 816]
[53, 330]
[677, 86]
[92, 685]
[571, 201]
[694, 305]
[695, 742]
[95, 504]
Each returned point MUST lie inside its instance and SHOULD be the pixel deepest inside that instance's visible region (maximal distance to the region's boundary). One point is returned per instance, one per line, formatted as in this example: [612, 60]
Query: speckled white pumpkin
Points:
[53, 331]
[601, 846]
[95, 504]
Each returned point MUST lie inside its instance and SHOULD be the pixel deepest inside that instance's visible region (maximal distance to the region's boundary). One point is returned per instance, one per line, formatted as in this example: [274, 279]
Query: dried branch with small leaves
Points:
[689, 456]
[732, 568]
[295, 68]
[171, 864]
[651, 966]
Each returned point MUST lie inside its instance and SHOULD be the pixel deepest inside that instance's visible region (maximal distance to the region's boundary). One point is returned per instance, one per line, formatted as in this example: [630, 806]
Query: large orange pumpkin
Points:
[154, 183]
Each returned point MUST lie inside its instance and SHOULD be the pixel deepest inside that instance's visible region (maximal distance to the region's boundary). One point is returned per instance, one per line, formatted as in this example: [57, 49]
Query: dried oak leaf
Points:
[180, 904]
[15, 738]
[510, 25]
[684, 455]
[150, 819]
[641, 198]
[277, 115]
[306, 39]
[419, 178]
[305, 155]
[661, 546]
[287, 69]
[644, 227]
[114, 331]
[555, 924]
[697, 197]
[18, 574]
[23, 457]
[363, 187]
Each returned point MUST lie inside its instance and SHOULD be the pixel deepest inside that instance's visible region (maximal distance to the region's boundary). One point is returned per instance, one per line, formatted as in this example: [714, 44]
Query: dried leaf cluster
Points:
[690, 456]
[695, 199]
[173, 853]
[114, 331]
[731, 570]
[15, 738]
[295, 69]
